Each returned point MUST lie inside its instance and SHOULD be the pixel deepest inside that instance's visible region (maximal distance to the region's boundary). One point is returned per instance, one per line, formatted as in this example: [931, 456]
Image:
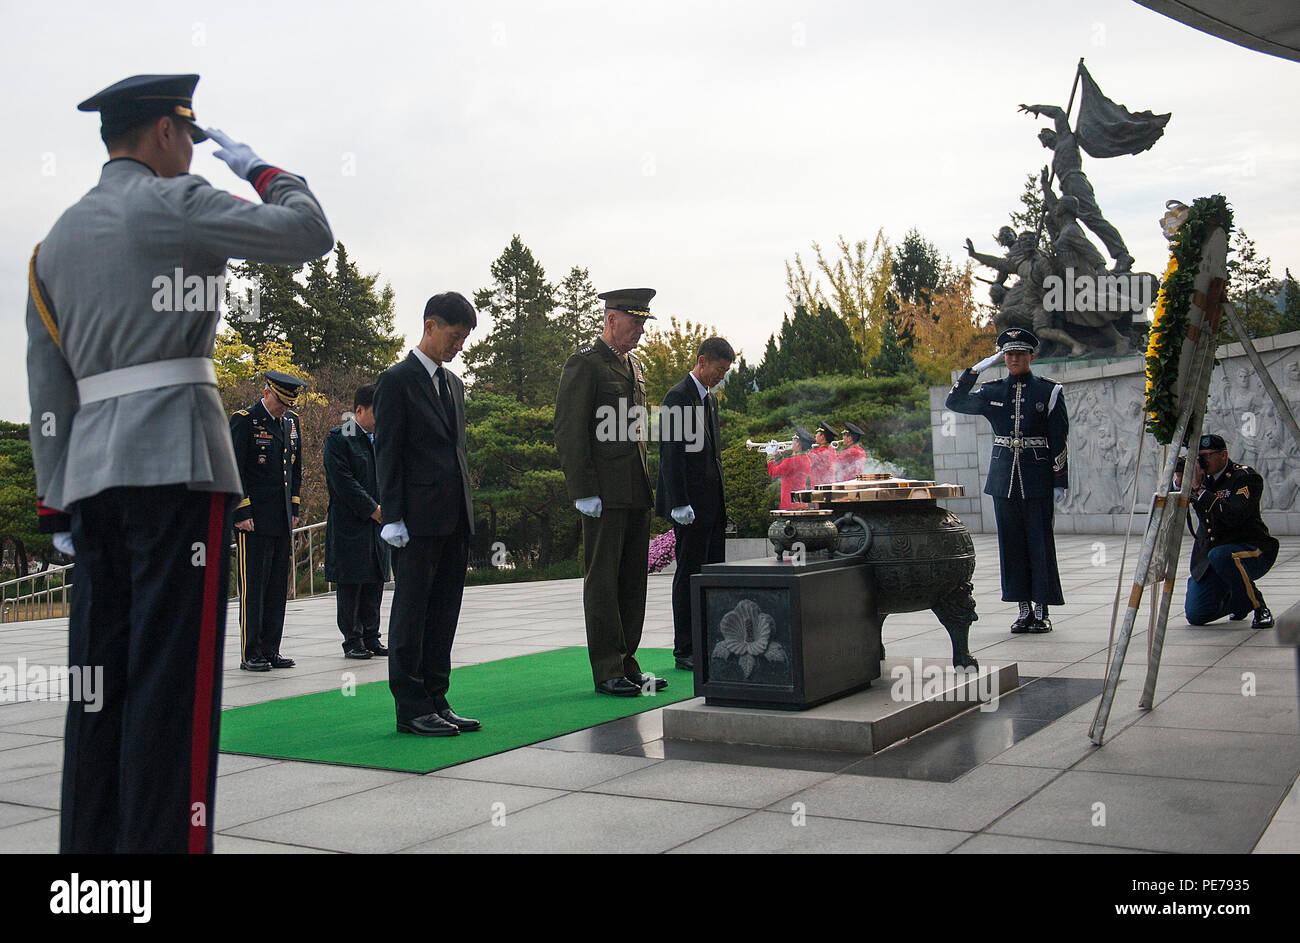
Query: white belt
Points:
[1021, 442]
[146, 376]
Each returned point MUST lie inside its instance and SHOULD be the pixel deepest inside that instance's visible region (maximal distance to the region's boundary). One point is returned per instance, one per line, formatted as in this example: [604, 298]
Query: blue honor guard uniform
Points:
[1028, 468]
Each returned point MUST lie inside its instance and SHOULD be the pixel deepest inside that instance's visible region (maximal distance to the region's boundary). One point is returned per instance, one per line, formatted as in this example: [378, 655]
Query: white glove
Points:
[986, 363]
[63, 543]
[589, 506]
[772, 450]
[395, 534]
[239, 157]
[1058, 494]
[684, 514]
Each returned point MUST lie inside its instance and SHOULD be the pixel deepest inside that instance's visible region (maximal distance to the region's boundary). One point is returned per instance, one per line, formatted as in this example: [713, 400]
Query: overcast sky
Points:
[689, 147]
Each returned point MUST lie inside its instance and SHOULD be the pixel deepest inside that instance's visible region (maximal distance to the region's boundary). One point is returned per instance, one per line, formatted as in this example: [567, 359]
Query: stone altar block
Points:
[784, 635]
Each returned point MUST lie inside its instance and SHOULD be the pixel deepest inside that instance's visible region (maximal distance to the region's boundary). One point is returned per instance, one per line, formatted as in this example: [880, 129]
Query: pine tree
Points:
[338, 318]
[1251, 289]
[893, 359]
[1290, 320]
[526, 349]
[580, 311]
[1031, 202]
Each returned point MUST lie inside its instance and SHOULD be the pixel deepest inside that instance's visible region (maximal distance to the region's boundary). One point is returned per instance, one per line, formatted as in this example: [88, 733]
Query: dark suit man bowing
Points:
[428, 515]
[690, 490]
[356, 560]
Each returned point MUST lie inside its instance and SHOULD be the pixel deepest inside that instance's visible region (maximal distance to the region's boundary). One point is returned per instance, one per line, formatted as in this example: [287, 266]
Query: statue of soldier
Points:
[1067, 166]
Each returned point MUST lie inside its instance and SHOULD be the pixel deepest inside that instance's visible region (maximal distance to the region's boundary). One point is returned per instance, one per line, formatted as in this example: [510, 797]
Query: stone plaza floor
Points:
[1209, 769]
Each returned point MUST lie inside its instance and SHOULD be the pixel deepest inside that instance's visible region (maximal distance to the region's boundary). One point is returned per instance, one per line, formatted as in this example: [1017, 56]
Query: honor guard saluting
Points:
[268, 452]
[1233, 547]
[133, 455]
[792, 470]
[1027, 470]
[603, 453]
[852, 460]
[822, 458]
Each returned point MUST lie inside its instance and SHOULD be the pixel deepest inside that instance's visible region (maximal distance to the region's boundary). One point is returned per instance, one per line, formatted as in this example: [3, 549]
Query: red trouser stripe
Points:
[204, 671]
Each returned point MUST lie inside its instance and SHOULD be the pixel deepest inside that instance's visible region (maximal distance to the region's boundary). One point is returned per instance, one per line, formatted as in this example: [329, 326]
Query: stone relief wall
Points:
[1105, 402]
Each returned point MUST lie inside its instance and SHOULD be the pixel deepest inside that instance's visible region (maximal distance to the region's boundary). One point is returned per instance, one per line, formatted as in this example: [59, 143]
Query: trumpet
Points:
[786, 446]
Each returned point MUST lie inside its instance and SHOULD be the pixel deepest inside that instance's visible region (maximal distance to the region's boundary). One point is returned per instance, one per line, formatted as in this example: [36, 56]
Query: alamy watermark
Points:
[634, 423]
[24, 682]
[921, 682]
[1132, 292]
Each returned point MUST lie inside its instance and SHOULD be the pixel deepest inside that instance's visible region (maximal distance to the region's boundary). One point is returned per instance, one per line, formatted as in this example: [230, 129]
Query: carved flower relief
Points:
[747, 636]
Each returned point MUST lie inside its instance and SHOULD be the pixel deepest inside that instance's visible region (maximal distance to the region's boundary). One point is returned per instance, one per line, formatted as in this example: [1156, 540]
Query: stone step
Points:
[911, 695]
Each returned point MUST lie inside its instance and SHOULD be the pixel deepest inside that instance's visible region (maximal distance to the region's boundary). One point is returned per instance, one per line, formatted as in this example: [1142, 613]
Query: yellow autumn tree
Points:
[236, 362]
[668, 354]
[859, 280]
[952, 335]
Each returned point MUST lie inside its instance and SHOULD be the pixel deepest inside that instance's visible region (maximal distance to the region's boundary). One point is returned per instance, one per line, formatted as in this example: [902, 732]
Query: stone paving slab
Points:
[968, 804]
[1147, 813]
[552, 769]
[394, 815]
[767, 833]
[586, 823]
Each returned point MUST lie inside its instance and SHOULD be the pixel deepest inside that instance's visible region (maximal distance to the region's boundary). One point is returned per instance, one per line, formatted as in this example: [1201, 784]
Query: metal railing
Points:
[313, 560]
[40, 603]
[50, 591]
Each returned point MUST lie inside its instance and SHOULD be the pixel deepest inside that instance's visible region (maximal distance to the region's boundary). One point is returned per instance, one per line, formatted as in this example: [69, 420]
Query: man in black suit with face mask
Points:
[428, 514]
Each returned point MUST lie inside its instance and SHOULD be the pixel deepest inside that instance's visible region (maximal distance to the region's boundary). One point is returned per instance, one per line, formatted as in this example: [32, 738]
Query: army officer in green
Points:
[601, 427]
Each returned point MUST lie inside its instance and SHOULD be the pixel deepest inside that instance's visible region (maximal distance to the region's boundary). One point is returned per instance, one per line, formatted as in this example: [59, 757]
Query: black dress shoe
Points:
[279, 661]
[1039, 626]
[1263, 618]
[428, 725]
[357, 652]
[685, 663]
[378, 649]
[1021, 625]
[257, 664]
[619, 687]
[649, 683]
[460, 723]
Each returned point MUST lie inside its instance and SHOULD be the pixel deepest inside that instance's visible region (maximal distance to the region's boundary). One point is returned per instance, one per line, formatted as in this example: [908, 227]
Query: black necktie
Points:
[445, 395]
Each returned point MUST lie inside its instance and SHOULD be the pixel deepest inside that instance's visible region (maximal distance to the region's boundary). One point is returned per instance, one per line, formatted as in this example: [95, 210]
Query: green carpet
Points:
[520, 701]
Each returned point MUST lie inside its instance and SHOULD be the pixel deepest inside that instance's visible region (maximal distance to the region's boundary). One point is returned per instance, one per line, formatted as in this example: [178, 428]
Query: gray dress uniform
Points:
[130, 442]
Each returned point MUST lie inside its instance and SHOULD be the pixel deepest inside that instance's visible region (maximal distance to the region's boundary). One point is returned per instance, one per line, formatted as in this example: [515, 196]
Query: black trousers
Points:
[1027, 551]
[263, 592]
[358, 614]
[430, 581]
[616, 554]
[697, 544]
[148, 606]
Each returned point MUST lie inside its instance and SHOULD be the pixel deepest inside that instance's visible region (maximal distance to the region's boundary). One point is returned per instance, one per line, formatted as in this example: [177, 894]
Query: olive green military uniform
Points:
[595, 409]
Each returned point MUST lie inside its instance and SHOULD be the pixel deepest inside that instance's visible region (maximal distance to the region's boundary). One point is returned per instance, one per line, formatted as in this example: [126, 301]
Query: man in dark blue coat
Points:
[1028, 468]
[355, 558]
[689, 490]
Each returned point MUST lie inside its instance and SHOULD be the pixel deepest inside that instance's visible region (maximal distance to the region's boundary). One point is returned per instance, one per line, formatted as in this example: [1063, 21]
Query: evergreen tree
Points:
[1031, 203]
[919, 270]
[810, 345]
[1251, 289]
[1290, 320]
[580, 311]
[337, 318]
[740, 383]
[523, 355]
[893, 359]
